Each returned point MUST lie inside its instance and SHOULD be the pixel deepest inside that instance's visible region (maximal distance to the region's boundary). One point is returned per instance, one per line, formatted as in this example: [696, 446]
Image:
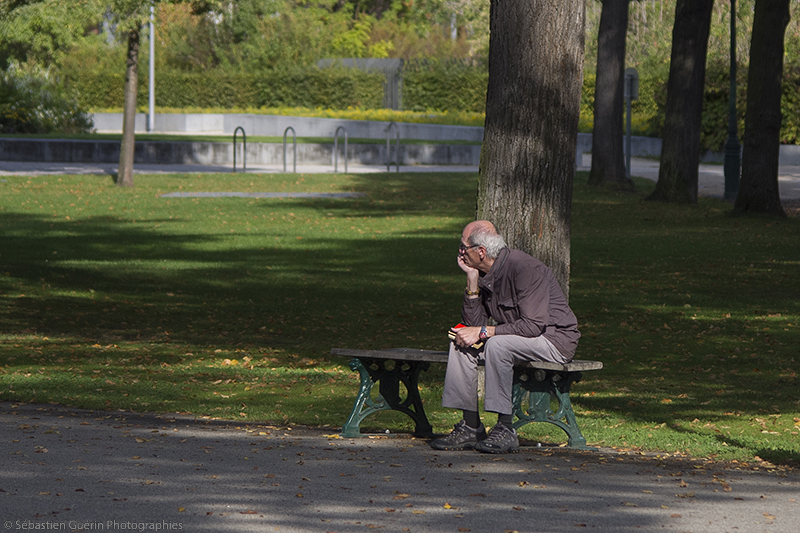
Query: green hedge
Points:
[335, 88]
[716, 105]
[426, 86]
[444, 86]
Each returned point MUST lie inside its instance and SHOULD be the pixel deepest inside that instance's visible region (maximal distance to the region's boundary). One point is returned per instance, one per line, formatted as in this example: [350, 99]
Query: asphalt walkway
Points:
[76, 470]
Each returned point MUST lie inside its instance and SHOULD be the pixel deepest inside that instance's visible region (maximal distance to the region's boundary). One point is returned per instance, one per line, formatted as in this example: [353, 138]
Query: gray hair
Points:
[488, 237]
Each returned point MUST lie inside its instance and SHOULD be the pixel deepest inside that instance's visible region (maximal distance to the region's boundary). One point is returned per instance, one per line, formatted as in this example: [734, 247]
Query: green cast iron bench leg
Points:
[388, 374]
[541, 386]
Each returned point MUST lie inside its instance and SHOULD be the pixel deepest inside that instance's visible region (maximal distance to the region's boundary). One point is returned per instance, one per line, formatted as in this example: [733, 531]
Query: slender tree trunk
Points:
[680, 149]
[126, 152]
[758, 189]
[532, 108]
[608, 158]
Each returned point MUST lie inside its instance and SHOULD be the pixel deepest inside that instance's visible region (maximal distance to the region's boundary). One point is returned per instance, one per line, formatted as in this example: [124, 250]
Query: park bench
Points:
[538, 381]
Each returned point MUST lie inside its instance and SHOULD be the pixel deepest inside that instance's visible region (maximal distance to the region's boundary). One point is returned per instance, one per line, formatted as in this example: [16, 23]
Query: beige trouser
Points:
[500, 354]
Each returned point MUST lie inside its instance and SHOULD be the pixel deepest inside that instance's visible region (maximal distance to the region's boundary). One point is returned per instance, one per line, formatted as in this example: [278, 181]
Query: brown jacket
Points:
[523, 297]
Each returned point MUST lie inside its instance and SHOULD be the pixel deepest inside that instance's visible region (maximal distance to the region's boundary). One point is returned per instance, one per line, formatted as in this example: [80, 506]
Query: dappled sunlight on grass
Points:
[228, 307]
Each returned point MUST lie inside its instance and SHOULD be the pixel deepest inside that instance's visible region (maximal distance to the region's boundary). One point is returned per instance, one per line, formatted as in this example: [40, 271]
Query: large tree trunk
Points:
[126, 151]
[758, 190]
[680, 149]
[532, 110]
[608, 164]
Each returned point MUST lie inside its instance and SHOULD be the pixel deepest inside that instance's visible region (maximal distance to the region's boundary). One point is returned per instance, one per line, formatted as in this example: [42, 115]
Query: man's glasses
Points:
[463, 249]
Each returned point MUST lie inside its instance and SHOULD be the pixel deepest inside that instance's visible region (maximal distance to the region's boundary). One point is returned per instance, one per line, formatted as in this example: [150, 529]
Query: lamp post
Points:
[151, 79]
[733, 153]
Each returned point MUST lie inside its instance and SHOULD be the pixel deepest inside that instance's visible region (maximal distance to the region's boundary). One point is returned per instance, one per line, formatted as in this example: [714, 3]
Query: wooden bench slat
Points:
[407, 354]
[413, 354]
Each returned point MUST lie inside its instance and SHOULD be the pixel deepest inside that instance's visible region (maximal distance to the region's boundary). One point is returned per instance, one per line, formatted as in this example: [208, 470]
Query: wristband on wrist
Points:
[472, 293]
[484, 334]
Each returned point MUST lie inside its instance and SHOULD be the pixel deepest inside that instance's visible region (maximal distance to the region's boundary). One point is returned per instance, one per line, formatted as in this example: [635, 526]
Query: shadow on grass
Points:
[675, 301]
[110, 280]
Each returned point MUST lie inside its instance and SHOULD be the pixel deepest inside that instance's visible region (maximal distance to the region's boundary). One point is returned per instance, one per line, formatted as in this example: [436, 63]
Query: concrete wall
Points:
[209, 153]
[275, 126]
[640, 147]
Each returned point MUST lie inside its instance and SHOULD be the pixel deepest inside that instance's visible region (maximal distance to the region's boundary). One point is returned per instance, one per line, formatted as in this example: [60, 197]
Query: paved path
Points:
[76, 470]
[711, 178]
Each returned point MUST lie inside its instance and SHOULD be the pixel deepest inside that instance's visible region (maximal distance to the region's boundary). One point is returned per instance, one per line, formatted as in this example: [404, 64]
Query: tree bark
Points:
[680, 148]
[758, 189]
[126, 151]
[536, 50]
[608, 158]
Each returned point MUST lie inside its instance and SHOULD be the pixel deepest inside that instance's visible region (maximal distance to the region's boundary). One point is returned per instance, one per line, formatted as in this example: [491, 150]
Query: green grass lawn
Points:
[117, 298]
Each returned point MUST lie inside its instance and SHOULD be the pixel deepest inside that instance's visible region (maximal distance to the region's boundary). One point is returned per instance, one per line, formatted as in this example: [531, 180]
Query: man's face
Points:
[468, 252]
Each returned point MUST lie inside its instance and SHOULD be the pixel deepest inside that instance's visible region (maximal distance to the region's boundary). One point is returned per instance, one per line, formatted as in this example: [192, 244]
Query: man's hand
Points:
[466, 268]
[473, 274]
[467, 336]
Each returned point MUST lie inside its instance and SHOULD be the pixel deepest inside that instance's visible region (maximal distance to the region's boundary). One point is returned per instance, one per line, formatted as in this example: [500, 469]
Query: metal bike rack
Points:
[244, 149]
[396, 149]
[336, 149]
[294, 149]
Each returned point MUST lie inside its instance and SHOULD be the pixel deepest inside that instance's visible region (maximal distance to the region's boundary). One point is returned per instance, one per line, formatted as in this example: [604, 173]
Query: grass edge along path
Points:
[228, 307]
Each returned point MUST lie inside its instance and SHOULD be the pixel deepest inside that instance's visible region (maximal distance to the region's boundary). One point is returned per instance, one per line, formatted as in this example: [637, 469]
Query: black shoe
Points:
[501, 439]
[462, 437]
